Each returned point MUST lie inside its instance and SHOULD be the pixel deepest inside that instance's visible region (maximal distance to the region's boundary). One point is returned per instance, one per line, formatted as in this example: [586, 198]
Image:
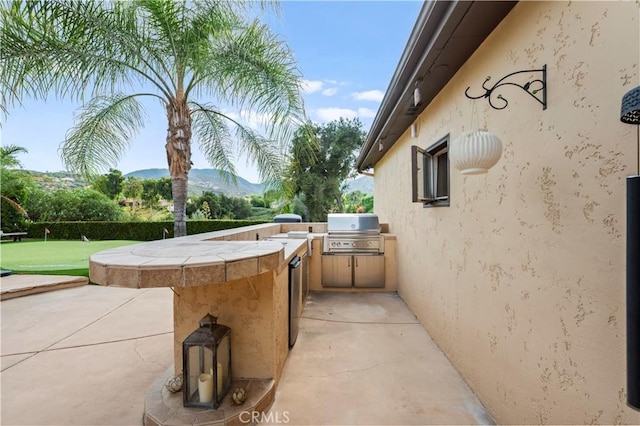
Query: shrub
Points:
[76, 205]
[138, 231]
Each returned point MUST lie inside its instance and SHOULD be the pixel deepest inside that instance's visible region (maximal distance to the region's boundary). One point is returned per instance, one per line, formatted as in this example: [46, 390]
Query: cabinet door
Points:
[336, 271]
[368, 271]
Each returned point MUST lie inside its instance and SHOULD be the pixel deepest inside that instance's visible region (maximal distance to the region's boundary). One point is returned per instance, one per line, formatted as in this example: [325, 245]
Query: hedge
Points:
[137, 231]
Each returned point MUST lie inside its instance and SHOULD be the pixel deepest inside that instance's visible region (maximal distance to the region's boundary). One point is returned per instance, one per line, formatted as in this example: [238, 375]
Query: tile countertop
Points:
[190, 261]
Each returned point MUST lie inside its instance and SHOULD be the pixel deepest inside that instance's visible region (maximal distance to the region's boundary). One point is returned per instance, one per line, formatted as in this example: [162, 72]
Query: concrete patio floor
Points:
[84, 355]
[88, 355]
[363, 359]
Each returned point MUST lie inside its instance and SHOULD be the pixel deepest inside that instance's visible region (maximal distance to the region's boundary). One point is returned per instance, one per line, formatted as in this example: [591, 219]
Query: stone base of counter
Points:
[162, 407]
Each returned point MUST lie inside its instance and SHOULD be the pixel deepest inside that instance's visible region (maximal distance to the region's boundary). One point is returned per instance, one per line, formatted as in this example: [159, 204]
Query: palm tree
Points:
[8, 155]
[115, 53]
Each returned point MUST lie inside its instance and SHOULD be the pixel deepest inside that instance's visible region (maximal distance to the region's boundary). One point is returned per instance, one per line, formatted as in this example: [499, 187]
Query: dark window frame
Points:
[427, 174]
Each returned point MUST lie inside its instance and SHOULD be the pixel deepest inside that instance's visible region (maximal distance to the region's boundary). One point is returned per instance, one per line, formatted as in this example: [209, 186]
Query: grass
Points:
[53, 257]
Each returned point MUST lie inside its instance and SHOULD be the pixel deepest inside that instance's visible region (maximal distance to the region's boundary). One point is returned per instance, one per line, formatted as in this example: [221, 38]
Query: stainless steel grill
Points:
[353, 233]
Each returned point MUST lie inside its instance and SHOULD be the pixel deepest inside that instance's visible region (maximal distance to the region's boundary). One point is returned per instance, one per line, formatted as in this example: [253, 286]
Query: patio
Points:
[88, 355]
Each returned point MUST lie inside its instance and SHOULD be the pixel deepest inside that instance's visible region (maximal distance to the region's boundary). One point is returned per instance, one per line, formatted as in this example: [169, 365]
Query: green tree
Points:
[218, 206]
[258, 201]
[75, 205]
[15, 186]
[271, 195]
[132, 188]
[8, 156]
[117, 52]
[319, 175]
[110, 184]
[163, 188]
[150, 192]
[367, 203]
[352, 200]
[154, 189]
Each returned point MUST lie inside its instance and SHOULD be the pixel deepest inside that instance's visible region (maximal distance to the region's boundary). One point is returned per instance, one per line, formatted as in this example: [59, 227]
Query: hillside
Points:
[52, 181]
[362, 184]
[201, 180]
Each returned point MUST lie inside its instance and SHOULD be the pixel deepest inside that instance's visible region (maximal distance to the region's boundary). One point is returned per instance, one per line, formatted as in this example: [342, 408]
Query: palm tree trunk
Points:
[178, 148]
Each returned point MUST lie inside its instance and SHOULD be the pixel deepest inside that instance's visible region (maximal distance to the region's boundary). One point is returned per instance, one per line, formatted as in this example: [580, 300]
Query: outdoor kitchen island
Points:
[243, 283]
[241, 276]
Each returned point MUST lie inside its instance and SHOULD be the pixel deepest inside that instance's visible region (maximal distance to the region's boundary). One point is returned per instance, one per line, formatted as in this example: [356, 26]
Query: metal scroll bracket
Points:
[536, 88]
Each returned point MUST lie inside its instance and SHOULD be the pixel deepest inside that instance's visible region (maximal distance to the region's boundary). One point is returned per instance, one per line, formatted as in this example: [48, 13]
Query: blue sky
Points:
[347, 52]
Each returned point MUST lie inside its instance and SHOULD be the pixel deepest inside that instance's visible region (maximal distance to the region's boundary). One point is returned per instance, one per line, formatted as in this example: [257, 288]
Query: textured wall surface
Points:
[521, 280]
[247, 307]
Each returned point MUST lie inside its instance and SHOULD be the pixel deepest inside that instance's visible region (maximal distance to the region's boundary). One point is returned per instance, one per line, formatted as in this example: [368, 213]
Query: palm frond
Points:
[15, 205]
[102, 133]
[253, 70]
[8, 155]
[213, 137]
[72, 48]
[218, 142]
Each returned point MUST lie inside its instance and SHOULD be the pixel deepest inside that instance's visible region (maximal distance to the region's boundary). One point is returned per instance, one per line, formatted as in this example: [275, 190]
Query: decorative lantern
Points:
[206, 364]
[475, 152]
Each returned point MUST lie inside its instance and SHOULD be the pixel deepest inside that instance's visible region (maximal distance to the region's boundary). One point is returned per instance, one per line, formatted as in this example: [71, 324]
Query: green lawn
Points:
[52, 257]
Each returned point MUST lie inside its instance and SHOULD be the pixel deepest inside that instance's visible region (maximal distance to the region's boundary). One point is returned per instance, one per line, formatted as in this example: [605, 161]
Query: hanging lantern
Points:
[206, 364]
[475, 152]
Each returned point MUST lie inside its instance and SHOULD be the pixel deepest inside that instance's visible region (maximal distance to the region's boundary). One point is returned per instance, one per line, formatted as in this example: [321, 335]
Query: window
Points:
[430, 174]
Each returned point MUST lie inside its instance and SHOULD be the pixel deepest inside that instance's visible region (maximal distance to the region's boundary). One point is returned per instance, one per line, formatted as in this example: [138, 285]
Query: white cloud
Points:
[330, 114]
[251, 119]
[369, 95]
[232, 115]
[311, 86]
[366, 113]
[256, 120]
[330, 91]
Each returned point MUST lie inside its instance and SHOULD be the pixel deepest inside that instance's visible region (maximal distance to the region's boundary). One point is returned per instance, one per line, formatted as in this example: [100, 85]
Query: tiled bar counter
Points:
[233, 276]
[243, 283]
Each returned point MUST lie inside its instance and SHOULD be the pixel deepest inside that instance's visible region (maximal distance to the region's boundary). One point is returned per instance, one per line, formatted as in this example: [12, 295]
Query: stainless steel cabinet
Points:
[368, 271]
[337, 271]
[353, 270]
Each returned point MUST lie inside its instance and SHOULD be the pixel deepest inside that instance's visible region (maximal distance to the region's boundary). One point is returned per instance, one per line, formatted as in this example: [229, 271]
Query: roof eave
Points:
[445, 35]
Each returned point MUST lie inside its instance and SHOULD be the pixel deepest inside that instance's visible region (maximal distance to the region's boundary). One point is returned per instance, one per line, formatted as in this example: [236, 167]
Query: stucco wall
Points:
[521, 280]
[256, 311]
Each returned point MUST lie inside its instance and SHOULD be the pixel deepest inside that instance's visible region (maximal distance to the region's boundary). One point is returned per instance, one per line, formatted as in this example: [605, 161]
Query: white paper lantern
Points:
[475, 152]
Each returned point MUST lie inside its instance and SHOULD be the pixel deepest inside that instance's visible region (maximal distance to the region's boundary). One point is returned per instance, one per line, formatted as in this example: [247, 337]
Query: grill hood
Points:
[353, 222]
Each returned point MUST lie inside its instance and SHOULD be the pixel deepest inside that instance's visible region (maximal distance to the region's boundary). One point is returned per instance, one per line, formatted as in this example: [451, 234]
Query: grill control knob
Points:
[353, 244]
[369, 243]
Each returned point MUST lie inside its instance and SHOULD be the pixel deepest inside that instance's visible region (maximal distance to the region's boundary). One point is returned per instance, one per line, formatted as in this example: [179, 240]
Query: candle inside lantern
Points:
[205, 387]
[220, 380]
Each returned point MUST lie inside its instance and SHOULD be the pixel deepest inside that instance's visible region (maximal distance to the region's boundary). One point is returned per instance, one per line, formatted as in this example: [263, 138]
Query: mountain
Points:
[201, 180]
[212, 180]
[362, 184]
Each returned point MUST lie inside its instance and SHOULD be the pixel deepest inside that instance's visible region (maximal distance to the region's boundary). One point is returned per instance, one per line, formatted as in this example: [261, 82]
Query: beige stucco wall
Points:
[256, 311]
[521, 280]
